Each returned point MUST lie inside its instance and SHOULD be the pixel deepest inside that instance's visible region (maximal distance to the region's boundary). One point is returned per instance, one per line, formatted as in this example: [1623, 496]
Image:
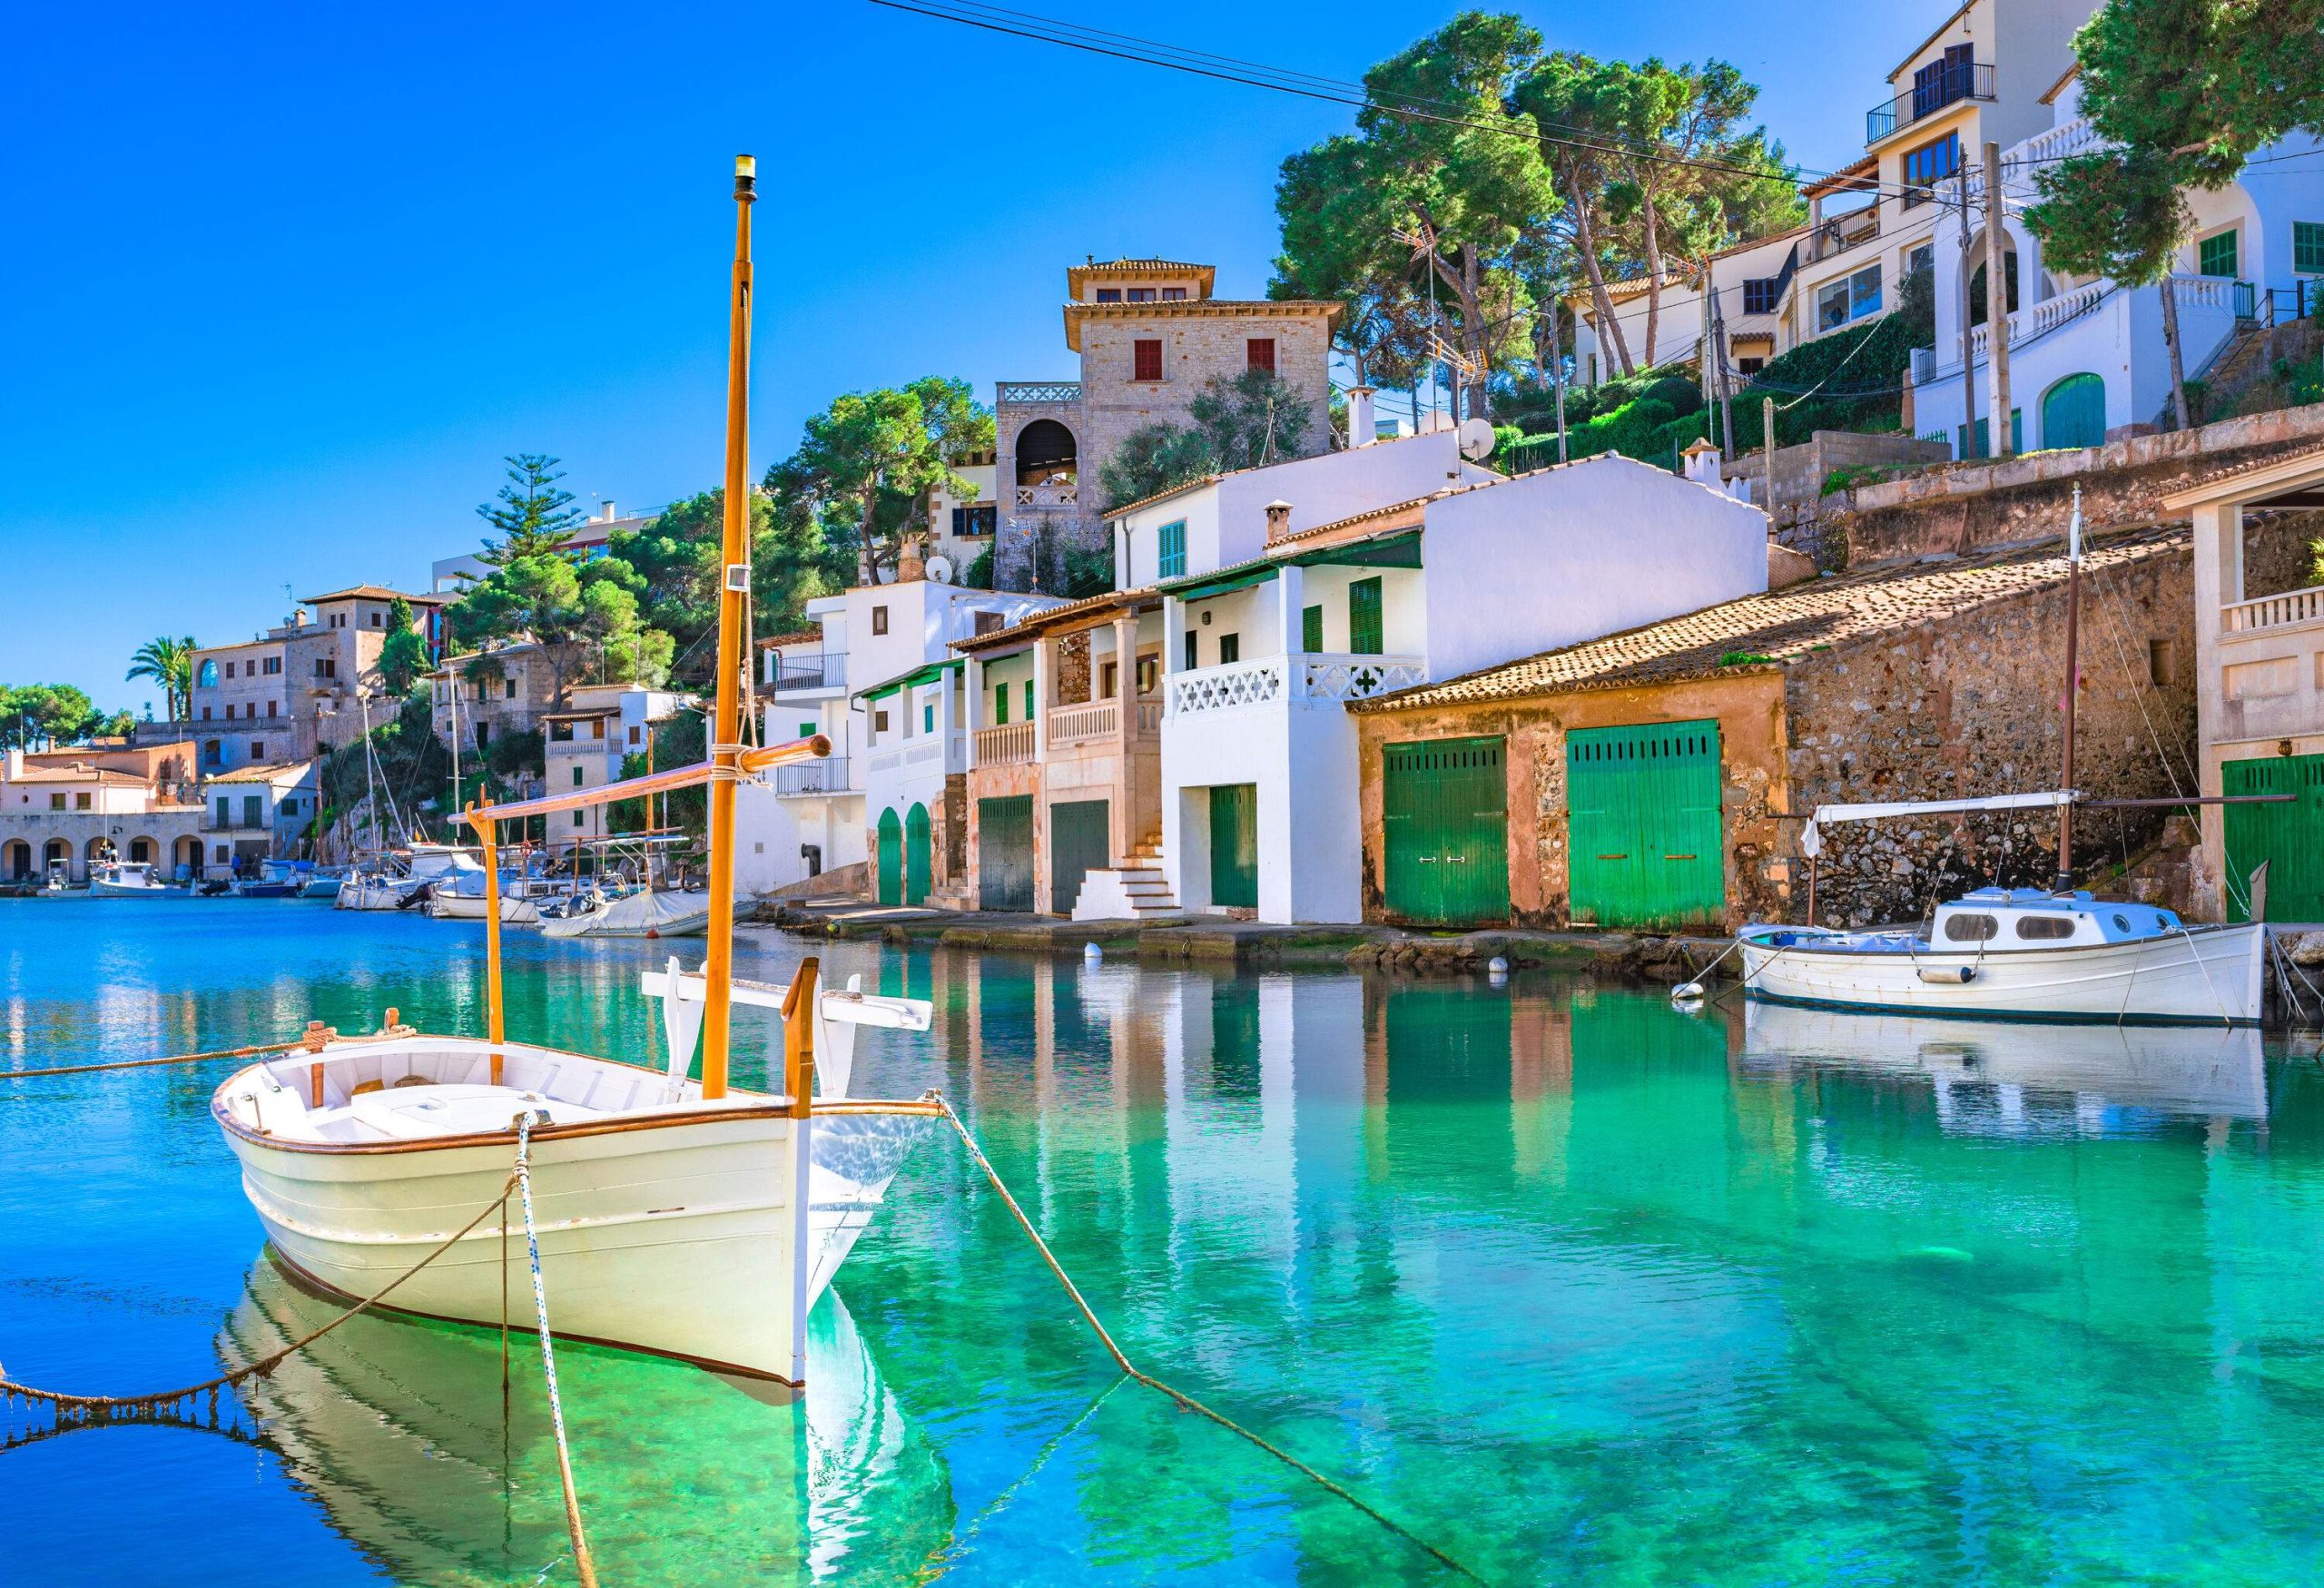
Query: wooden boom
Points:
[808, 749]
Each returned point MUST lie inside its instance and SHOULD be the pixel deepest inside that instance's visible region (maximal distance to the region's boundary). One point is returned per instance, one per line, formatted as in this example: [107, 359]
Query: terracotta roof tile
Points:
[375, 593]
[1783, 625]
[1058, 616]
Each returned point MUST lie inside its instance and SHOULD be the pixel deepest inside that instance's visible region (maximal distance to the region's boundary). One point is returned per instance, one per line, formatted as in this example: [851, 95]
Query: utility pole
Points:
[1718, 352]
[1997, 301]
[1968, 342]
[1556, 357]
[1768, 448]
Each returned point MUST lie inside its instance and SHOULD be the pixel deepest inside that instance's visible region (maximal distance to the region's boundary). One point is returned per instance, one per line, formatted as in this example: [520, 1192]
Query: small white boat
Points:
[374, 889]
[642, 913]
[323, 885]
[458, 894]
[700, 1227]
[130, 878]
[59, 880]
[2020, 953]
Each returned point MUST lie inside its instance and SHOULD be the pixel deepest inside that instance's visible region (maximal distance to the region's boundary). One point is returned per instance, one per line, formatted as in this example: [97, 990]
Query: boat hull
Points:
[454, 907]
[103, 890]
[2210, 976]
[675, 1235]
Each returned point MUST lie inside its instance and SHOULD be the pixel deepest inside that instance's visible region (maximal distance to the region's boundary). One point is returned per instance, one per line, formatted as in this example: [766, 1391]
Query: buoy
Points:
[1687, 992]
[1092, 952]
[1498, 966]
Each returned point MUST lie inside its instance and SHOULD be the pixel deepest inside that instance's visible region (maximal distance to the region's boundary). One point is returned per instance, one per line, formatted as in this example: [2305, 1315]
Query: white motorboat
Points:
[130, 878]
[2023, 954]
[323, 885]
[641, 913]
[460, 896]
[375, 888]
[674, 1216]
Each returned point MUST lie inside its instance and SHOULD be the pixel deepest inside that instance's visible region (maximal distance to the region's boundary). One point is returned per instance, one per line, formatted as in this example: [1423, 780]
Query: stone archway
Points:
[55, 852]
[16, 861]
[141, 850]
[1047, 454]
[185, 855]
[98, 849]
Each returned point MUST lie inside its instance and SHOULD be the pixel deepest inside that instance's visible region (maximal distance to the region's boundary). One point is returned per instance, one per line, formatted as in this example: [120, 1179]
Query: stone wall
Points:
[1198, 342]
[1801, 470]
[1972, 507]
[948, 837]
[1973, 709]
[2280, 552]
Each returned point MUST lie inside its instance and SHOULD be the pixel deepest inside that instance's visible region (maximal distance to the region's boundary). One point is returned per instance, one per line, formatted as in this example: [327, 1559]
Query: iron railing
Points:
[827, 775]
[1949, 84]
[1015, 391]
[819, 670]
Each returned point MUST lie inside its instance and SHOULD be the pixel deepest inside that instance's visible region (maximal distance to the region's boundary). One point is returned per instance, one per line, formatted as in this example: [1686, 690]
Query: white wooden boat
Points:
[700, 1227]
[368, 888]
[130, 878]
[642, 913]
[2023, 954]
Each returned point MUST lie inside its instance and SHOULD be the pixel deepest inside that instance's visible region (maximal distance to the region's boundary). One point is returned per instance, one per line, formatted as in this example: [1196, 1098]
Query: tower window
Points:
[1146, 360]
[1260, 351]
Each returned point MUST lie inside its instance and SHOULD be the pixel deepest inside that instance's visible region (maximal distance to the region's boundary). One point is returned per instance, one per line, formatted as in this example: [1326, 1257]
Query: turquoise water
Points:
[1582, 1289]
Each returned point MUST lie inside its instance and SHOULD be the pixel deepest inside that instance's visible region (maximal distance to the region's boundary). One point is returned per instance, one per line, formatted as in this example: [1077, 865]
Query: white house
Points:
[256, 813]
[867, 642]
[585, 746]
[2087, 359]
[1270, 627]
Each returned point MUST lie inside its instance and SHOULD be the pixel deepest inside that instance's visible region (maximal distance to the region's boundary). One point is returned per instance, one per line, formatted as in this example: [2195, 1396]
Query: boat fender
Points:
[1687, 992]
[1092, 952]
[1949, 975]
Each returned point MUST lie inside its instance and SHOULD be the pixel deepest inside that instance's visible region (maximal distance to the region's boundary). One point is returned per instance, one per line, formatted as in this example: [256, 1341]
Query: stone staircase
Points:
[1137, 891]
[956, 895]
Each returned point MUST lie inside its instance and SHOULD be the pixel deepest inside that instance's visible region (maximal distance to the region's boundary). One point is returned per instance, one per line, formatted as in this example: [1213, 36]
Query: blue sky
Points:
[280, 286]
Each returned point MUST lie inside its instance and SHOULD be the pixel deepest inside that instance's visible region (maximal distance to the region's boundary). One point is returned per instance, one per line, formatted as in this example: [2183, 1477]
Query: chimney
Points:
[1702, 462]
[1361, 429]
[1279, 520]
[610, 514]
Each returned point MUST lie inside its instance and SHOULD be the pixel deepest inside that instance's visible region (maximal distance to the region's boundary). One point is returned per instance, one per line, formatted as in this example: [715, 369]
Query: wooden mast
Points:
[734, 586]
[2073, 668]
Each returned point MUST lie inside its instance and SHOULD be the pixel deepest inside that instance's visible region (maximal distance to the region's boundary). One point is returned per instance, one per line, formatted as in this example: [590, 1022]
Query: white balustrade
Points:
[1352, 677]
[1312, 675]
[1006, 744]
[2274, 611]
[1047, 495]
[1072, 724]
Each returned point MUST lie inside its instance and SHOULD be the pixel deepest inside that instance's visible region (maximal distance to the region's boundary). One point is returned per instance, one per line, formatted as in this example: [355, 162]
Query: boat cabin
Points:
[1992, 920]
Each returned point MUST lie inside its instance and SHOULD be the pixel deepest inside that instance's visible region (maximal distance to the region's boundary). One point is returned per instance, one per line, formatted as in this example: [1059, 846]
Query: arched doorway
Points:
[141, 850]
[98, 849]
[891, 858]
[2074, 412]
[54, 853]
[916, 855]
[1046, 454]
[16, 861]
[185, 856]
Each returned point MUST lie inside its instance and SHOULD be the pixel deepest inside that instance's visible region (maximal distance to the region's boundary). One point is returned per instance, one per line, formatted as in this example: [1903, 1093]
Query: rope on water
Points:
[582, 1564]
[94, 1410]
[1185, 1401]
[143, 1063]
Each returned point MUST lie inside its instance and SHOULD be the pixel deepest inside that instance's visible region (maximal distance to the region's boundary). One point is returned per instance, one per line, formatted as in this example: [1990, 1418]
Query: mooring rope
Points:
[1185, 1401]
[143, 1063]
[582, 1564]
[92, 1410]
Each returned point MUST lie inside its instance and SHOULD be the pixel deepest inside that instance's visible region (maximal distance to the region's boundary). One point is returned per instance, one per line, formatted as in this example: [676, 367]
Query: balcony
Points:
[826, 776]
[2285, 611]
[1949, 84]
[1065, 495]
[1008, 745]
[924, 753]
[1018, 392]
[1101, 720]
[1308, 675]
[1840, 234]
[812, 670]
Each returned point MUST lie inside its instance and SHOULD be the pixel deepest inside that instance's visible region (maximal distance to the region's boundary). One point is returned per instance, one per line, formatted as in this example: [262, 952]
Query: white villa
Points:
[2087, 359]
[877, 675]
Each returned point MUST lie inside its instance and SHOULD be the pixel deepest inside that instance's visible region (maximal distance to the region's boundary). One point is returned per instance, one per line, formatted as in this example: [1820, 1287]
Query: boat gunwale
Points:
[1998, 1016]
[1983, 952]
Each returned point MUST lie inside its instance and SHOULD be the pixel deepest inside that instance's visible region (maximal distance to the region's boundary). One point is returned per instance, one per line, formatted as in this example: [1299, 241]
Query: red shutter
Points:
[1261, 353]
[1148, 361]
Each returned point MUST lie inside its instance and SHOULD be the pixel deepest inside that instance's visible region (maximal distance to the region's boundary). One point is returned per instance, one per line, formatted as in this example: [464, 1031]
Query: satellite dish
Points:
[939, 568]
[1476, 439]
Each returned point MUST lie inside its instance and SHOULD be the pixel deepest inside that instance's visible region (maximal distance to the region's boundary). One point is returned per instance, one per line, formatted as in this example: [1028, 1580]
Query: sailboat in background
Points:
[674, 1216]
[2021, 953]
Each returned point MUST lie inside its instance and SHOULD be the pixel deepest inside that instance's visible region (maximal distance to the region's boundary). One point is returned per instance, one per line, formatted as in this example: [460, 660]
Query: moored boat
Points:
[130, 878]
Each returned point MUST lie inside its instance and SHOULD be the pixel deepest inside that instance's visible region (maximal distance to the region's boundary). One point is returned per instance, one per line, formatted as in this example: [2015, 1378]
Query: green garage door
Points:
[1079, 841]
[2074, 412]
[1235, 845]
[891, 858]
[1005, 852]
[2289, 837]
[1444, 807]
[1644, 841]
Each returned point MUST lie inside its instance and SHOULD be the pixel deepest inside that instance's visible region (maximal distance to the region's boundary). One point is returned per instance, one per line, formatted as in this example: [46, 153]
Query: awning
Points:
[1203, 587]
[1398, 551]
[929, 673]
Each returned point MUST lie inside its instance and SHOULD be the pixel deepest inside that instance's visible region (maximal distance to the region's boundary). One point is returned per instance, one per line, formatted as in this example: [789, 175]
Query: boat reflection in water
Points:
[2010, 1078]
[394, 1425]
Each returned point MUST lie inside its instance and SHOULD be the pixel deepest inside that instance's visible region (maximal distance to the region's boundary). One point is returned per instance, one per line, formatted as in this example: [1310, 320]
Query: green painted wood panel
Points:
[918, 862]
[2289, 838]
[2074, 412]
[1444, 809]
[1311, 628]
[1079, 839]
[1235, 845]
[891, 858]
[1005, 852]
[1364, 622]
[1644, 837]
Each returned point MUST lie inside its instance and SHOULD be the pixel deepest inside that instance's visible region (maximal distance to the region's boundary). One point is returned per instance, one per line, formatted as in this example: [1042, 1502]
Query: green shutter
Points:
[1364, 617]
[1230, 649]
[1444, 808]
[1005, 852]
[891, 858]
[918, 858]
[1079, 839]
[1193, 650]
[1645, 844]
[1000, 706]
[2308, 246]
[1235, 845]
[1173, 549]
[1029, 700]
[2288, 837]
[1311, 628]
[808, 730]
[2215, 256]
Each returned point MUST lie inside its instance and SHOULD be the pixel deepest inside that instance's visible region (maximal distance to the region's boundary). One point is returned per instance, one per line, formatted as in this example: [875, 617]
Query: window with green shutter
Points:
[1000, 706]
[1174, 550]
[2215, 256]
[927, 719]
[1311, 628]
[2308, 246]
[1029, 700]
[1364, 617]
[1193, 650]
[1230, 649]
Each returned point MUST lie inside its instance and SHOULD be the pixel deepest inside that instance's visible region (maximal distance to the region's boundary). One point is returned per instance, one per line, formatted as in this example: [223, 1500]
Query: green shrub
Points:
[1684, 394]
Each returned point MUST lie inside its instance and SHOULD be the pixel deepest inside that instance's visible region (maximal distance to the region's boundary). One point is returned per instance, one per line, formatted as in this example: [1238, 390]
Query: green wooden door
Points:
[1365, 635]
[1644, 838]
[1005, 852]
[2074, 412]
[891, 858]
[1235, 845]
[2289, 837]
[1444, 807]
[1079, 840]
[917, 858]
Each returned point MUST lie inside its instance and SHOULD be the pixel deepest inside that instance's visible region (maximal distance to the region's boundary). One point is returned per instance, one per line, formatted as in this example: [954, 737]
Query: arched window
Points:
[1977, 285]
[1045, 454]
[209, 679]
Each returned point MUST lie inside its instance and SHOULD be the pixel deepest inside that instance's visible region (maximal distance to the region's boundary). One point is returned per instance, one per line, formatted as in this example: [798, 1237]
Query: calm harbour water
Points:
[1582, 1289]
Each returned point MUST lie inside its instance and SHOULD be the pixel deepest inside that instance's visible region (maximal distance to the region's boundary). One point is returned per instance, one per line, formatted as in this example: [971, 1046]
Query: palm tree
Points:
[169, 663]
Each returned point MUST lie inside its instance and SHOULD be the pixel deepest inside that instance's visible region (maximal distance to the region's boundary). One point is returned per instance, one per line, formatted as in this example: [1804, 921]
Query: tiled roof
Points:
[2202, 485]
[267, 773]
[1784, 626]
[1163, 496]
[802, 636]
[1059, 616]
[105, 776]
[1848, 178]
[1137, 267]
[375, 593]
[1075, 313]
